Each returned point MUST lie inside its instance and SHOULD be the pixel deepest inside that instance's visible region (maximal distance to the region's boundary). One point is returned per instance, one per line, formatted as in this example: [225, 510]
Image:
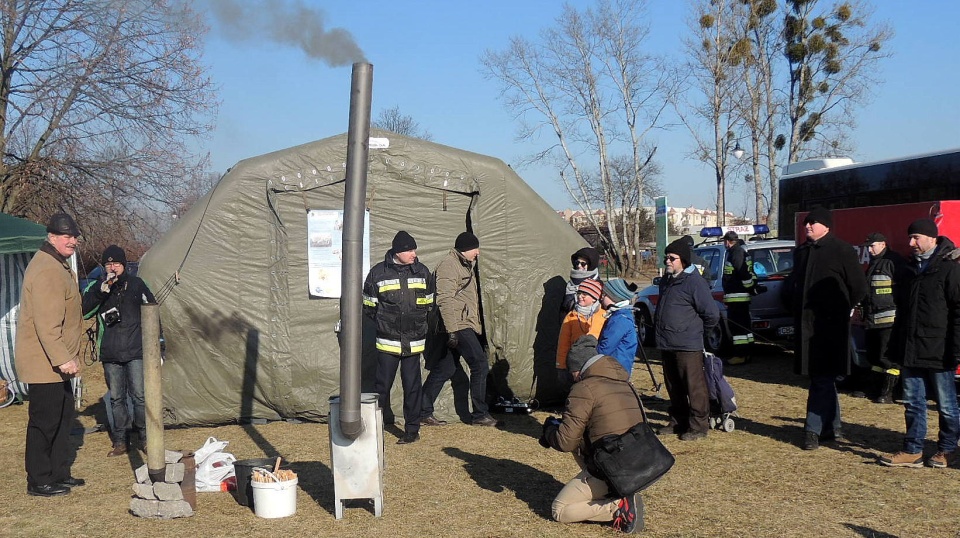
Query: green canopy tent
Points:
[246, 335]
[19, 240]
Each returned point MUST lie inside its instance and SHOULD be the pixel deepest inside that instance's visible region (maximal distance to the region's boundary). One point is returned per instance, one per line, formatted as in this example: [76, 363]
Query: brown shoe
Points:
[431, 420]
[118, 450]
[485, 421]
[903, 459]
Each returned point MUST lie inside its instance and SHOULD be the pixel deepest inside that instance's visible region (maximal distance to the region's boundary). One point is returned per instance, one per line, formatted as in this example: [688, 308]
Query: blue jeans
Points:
[823, 406]
[916, 381]
[125, 380]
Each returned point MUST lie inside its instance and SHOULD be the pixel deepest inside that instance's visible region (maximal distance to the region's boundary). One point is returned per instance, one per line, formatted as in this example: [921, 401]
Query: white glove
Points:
[107, 282]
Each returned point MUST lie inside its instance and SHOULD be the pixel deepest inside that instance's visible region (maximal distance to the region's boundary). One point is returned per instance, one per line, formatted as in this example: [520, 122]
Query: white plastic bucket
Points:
[274, 499]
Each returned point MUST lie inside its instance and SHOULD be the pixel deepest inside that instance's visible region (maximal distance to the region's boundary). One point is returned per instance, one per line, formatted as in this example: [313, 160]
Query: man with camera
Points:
[600, 403]
[115, 299]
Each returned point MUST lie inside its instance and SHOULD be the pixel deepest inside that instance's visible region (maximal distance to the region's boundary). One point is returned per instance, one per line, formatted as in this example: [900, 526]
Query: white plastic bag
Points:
[213, 465]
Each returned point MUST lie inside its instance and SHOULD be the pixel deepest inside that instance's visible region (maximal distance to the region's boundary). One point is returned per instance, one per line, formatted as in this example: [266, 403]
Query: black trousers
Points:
[687, 386]
[470, 349]
[738, 319]
[51, 415]
[877, 341]
[409, 366]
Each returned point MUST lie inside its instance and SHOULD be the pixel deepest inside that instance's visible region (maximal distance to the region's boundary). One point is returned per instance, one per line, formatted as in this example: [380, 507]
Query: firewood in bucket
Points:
[263, 475]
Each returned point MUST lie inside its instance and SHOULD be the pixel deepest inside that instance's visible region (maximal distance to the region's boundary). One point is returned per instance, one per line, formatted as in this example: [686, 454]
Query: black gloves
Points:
[452, 341]
[550, 424]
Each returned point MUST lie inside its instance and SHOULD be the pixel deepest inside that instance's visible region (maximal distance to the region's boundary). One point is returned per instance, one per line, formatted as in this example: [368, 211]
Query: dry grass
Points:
[465, 481]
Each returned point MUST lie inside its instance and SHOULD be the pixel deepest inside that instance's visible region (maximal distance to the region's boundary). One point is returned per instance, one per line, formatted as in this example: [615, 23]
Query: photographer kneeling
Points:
[600, 403]
[116, 299]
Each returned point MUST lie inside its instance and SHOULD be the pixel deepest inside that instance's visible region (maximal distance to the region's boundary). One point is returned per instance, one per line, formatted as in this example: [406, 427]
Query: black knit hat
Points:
[586, 253]
[466, 241]
[680, 248]
[402, 242]
[113, 253]
[924, 227]
[63, 224]
[821, 215]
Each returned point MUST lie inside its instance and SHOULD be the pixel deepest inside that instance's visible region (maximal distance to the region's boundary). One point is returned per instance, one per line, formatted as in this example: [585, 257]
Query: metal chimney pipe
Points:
[351, 295]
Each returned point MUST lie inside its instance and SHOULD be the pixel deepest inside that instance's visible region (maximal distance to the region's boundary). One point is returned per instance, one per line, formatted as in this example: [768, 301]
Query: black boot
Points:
[886, 390]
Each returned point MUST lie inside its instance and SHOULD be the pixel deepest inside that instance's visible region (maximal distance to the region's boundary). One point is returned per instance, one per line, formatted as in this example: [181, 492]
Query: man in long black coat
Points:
[826, 283]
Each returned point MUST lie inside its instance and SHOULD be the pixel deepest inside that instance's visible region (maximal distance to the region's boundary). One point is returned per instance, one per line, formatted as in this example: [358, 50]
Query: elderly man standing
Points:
[458, 298]
[927, 339]
[826, 283]
[397, 295]
[47, 354]
[685, 312]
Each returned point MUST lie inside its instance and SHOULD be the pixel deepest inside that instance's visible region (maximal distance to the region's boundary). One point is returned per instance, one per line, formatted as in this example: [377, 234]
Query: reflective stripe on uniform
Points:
[417, 283]
[736, 297]
[747, 283]
[388, 285]
[743, 339]
[390, 346]
[426, 299]
[417, 346]
[881, 281]
[887, 316]
[370, 301]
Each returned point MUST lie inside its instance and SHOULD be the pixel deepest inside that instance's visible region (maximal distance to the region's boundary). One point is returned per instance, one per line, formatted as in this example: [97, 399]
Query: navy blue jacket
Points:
[685, 312]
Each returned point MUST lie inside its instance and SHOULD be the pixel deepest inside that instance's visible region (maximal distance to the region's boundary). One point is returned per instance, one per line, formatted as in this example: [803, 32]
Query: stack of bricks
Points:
[162, 500]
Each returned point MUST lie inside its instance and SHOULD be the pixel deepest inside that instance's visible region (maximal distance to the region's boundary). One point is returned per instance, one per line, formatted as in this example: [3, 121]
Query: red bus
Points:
[931, 177]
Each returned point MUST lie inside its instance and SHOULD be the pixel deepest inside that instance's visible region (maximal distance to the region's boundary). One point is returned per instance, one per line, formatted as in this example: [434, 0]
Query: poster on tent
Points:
[325, 250]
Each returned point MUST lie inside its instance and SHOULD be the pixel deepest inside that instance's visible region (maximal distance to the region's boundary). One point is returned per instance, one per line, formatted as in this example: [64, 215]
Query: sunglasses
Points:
[580, 263]
[670, 258]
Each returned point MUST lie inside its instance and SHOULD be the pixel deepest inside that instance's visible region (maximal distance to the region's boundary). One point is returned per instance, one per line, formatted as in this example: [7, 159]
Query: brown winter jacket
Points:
[50, 324]
[600, 404]
[457, 294]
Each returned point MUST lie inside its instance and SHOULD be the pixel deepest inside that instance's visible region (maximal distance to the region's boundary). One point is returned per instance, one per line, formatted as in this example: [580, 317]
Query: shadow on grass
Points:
[532, 486]
[867, 532]
[863, 441]
[315, 478]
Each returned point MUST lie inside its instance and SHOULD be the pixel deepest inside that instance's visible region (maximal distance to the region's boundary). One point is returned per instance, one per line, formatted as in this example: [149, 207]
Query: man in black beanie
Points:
[686, 311]
[824, 286]
[116, 299]
[397, 295]
[459, 302]
[927, 341]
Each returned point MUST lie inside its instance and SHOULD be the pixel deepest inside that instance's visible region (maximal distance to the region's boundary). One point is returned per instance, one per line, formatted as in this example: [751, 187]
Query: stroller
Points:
[723, 403]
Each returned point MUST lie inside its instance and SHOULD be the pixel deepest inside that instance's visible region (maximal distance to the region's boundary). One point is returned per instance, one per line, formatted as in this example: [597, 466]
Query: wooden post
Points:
[152, 389]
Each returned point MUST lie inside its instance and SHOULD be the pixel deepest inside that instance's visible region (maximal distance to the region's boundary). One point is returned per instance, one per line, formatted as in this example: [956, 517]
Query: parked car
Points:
[769, 318]
[97, 273]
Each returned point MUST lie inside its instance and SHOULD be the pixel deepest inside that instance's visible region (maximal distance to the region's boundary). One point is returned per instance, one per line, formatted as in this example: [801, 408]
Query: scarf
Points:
[577, 276]
[617, 306]
[588, 311]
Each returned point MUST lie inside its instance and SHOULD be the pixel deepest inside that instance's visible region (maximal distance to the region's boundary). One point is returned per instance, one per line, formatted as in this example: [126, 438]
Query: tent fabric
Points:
[20, 235]
[245, 340]
[19, 240]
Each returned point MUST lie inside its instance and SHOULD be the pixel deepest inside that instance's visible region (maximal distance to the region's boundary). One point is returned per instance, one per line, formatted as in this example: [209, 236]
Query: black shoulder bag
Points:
[634, 460]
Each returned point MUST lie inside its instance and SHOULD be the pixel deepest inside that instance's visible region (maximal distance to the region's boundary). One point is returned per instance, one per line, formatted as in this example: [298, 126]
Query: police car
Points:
[772, 262]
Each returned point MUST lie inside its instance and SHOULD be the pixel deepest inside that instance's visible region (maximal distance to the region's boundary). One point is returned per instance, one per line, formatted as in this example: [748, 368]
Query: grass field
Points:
[460, 480]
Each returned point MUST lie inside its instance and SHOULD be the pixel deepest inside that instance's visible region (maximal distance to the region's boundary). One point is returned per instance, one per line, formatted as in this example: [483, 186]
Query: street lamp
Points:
[737, 151]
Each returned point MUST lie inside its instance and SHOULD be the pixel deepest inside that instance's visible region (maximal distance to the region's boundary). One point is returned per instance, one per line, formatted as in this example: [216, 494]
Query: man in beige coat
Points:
[459, 303]
[47, 354]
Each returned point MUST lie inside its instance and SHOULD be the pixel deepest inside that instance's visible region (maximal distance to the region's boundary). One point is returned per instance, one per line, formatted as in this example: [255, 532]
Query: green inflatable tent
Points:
[248, 294]
[19, 240]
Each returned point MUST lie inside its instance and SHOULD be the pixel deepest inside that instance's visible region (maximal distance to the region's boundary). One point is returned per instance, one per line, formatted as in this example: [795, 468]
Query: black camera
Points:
[111, 317]
[512, 405]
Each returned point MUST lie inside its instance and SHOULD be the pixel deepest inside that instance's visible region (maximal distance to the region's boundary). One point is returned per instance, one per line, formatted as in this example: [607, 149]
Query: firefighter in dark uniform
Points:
[879, 312]
[398, 294]
[738, 286]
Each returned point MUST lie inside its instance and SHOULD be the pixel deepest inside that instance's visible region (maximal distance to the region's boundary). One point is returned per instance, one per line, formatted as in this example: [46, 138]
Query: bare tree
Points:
[832, 56]
[98, 102]
[393, 120]
[589, 83]
[710, 69]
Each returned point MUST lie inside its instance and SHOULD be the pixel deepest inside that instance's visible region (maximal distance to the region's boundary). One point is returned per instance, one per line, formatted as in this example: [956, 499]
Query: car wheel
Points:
[715, 340]
[644, 326]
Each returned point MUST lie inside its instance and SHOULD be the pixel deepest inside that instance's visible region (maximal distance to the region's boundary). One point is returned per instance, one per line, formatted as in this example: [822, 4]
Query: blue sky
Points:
[425, 57]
